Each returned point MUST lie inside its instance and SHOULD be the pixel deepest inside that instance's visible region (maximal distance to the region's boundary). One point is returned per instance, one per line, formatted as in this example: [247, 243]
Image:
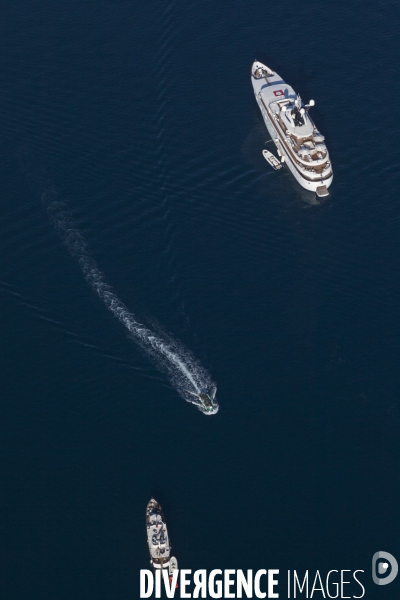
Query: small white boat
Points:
[173, 565]
[272, 160]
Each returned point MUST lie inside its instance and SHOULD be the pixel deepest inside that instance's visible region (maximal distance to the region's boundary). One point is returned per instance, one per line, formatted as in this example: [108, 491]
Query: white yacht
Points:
[297, 139]
[157, 536]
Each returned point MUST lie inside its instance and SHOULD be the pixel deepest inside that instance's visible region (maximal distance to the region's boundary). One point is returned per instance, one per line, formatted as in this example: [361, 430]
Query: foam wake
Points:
[185, 373]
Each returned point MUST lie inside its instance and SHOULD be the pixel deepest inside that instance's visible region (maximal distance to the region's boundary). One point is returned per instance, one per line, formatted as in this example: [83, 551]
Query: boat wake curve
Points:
[185, 373]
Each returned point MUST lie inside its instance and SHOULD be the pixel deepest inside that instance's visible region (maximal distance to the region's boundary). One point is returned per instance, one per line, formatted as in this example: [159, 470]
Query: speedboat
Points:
[299, 143]
[207, 402]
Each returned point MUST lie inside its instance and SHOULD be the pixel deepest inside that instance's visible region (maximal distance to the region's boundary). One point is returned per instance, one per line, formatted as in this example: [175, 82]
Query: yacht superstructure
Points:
[297, 139]
[157, 536]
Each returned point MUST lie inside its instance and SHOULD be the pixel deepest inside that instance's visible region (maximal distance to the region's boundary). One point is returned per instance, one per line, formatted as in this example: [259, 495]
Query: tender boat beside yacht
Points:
[297, 139]
[272, 160]
[173, 566]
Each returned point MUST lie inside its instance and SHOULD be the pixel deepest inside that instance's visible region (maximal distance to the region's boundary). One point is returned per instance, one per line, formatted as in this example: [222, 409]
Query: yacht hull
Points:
[275, 83]
[157, 536]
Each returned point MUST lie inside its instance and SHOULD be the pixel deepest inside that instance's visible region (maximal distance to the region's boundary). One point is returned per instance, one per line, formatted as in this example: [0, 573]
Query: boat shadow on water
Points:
[308, 198]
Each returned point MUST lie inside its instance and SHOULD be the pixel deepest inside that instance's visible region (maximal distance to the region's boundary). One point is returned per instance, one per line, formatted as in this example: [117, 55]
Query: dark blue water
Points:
[142, 120]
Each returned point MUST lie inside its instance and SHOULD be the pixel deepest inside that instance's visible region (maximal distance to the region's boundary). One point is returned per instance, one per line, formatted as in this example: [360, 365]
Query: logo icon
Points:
[384, 564]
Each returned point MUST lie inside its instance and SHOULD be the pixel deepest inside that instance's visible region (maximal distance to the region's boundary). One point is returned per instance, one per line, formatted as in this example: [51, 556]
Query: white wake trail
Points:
[185, 373]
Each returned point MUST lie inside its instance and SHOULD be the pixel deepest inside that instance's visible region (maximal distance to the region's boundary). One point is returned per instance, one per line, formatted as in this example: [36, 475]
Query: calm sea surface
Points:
[140, 117]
